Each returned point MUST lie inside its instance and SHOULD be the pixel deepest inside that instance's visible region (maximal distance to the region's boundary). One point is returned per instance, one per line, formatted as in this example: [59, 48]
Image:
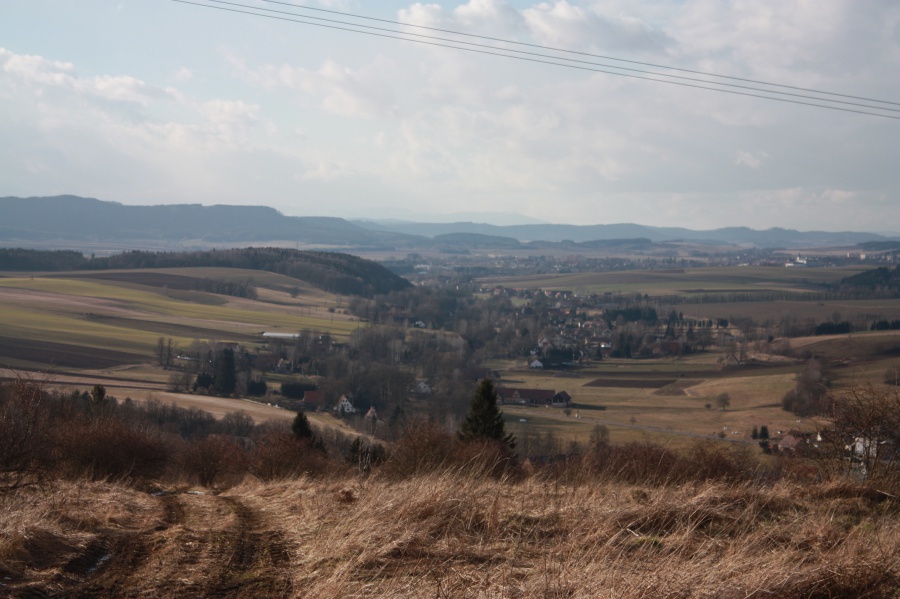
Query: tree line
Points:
[333, 272]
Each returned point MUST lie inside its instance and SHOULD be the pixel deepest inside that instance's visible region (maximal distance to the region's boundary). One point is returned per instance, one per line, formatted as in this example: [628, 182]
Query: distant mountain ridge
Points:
[73, 217]
[775, 237]
[85, 219]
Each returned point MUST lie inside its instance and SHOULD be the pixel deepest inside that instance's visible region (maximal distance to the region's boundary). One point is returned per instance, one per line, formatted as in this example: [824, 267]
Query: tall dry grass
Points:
[459, 532]
[451, 534]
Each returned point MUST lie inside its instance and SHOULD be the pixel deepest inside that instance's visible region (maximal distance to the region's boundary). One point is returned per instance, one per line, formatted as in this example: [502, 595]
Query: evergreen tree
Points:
[301, 428]
[755, 433]
[226, 378]
[304, 432]
[484, 421]
[764, 432]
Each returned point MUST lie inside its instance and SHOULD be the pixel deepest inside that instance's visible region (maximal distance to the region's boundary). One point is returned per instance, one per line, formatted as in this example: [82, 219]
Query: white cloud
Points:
[425, 15]
[750, 159]
[42, 74]
[494, 16]
[571, 26]
[363, 93]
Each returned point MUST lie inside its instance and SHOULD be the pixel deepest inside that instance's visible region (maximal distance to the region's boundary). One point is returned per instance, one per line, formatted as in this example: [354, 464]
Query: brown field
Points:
[776, 310]
[641, 383]
[685, 281]
[49, 354]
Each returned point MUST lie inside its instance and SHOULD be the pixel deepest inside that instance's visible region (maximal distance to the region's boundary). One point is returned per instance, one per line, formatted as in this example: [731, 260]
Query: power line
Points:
[573, 60]
[601, 56]
[501, 52]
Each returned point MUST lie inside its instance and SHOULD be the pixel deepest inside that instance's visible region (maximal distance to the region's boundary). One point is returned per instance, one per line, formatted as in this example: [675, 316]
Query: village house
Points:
[345, 406]
[312, 401]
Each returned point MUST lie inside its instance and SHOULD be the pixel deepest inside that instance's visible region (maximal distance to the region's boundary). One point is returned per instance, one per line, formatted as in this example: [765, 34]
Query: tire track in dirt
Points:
[109, 565]
[195, 545]
[253, 561]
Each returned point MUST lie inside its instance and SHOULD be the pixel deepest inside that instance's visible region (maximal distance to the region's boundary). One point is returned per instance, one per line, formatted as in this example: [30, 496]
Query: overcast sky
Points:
[153, 101]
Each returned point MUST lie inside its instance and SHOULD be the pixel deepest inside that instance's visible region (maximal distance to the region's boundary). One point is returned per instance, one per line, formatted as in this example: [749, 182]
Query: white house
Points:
[345, 405]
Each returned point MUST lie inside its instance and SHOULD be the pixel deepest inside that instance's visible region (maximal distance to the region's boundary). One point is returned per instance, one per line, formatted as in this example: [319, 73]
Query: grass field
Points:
[636, 404]
[119, 316]
[688, 281]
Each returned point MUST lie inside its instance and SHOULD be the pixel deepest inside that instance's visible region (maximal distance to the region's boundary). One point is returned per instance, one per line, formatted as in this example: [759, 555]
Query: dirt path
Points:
[199, 545]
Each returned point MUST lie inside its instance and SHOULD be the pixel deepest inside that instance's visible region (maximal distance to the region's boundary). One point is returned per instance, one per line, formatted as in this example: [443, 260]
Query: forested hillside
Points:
[879, 279]
[334, 272]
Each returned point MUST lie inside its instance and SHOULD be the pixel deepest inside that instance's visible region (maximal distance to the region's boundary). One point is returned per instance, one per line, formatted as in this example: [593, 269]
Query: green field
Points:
[687, 281]
[111, 318]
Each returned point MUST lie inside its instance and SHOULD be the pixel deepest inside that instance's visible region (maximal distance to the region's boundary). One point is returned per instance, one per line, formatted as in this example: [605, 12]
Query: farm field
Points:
[639, 401]
[86, 328]
[49, 321]
[685, 281]
[674, 399]
[777, 310]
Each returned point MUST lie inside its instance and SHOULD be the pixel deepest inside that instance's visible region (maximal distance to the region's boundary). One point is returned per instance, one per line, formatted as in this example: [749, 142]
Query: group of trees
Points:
[810, 395]
[48, 434]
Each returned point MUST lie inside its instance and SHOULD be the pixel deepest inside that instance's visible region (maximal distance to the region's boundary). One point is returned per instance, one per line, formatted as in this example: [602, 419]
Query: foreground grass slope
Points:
[454, 534]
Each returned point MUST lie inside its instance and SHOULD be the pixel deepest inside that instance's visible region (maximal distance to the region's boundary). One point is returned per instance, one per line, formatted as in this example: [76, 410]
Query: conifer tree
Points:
[303, 431]
[301, 428]
[226, 377]
[484, 421]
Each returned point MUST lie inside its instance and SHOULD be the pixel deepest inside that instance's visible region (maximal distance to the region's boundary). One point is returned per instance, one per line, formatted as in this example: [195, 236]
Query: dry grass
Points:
[449, 535]
[452, 534]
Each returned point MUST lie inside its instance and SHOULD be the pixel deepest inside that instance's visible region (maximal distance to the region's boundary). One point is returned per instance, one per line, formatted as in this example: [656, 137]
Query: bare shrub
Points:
[642, 463]
[237, 424]
[810, 396]
[706, 460]
[23, 434]
[486, 459]
[107, 448]
[214, 461]
[866, 431]
[278, 455]
[892, 376]
[423, 446]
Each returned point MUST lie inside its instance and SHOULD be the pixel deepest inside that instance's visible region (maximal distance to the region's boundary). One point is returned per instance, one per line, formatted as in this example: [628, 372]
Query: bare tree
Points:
[723, 400]
[867, 426]
[23, 434]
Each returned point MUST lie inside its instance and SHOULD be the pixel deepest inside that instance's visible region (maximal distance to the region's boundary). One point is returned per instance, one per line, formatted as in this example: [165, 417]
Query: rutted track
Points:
[201, 545]
[252, 562]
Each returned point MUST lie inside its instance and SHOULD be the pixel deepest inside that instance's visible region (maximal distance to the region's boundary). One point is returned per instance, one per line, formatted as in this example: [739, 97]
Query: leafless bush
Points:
[423, 446]
[487, 459]
[108, 448]
[278, 454]
[866, 431]
[23, 434]
[215, 460]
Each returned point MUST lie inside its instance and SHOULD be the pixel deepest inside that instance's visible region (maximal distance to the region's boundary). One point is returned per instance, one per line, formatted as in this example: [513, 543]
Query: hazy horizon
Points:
[167, 102]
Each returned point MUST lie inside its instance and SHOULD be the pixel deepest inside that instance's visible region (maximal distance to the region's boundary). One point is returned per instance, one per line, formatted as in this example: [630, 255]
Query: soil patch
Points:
[64, 354]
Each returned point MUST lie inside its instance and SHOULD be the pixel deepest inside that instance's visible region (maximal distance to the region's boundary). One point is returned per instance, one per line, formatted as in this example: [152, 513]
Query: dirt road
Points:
[198, 545]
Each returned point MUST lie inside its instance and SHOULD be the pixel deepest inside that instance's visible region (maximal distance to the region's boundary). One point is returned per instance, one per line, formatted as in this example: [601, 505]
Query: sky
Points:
[162, 102]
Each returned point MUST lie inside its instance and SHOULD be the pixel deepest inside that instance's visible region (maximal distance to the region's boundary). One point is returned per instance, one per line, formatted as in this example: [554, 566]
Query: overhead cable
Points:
[547, 59]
